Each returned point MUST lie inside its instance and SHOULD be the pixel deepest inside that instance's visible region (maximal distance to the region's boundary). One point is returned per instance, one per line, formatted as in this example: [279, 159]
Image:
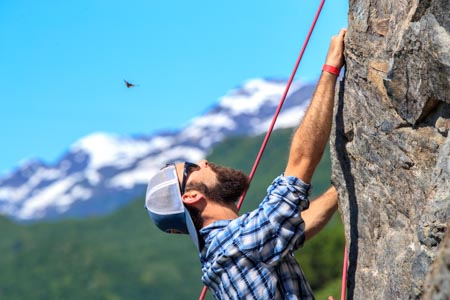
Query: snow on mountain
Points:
[255, 93]
[106, 149]
[101, 172]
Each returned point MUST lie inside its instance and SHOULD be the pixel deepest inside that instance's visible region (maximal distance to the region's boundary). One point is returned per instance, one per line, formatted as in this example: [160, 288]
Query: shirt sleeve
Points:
[276, 227]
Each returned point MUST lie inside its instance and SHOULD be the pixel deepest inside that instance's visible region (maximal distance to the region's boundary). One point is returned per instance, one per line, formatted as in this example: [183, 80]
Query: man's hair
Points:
[231, 184]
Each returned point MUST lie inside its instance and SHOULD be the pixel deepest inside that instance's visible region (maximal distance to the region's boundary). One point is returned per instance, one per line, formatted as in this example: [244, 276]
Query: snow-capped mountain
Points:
[102, 172]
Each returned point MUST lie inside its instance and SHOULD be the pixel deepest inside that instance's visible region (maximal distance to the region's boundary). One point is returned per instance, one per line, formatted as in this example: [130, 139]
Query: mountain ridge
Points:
[101, 172]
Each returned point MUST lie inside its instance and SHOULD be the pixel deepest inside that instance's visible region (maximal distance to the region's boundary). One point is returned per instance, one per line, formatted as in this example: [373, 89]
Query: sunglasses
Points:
[188, 168]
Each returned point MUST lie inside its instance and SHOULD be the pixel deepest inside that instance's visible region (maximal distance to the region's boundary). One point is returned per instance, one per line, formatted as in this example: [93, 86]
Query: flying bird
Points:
[129, 84]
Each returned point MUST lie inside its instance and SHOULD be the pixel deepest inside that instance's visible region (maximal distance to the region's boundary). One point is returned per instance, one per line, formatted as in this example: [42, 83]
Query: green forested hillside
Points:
[124, 256]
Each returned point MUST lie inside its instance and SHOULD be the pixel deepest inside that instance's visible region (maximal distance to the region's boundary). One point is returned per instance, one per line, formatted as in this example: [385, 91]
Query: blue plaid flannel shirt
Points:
[251, 257]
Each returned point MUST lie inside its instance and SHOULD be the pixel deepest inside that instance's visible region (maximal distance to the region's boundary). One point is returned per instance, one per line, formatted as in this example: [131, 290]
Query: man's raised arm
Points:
[311, 137]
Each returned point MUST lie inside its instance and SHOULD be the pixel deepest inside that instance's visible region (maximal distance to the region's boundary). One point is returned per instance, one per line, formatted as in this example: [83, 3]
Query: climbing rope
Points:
[269, 131]
[344, 274]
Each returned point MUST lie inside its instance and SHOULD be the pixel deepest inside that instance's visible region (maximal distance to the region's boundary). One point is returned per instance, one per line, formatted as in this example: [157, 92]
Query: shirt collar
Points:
[213, 226]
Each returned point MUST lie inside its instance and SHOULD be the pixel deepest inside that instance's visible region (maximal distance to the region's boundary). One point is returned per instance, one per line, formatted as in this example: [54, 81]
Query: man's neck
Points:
[215, 212]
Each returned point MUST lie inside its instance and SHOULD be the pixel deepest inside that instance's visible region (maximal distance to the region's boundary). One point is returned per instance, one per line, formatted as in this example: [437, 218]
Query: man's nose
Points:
[203, 163]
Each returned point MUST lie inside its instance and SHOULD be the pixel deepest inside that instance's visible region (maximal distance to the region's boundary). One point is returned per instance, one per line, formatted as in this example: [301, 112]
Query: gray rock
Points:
[391, 149]
[437, 283]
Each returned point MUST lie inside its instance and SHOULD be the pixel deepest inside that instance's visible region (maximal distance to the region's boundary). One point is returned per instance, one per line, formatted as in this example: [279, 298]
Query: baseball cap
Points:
[165, 205]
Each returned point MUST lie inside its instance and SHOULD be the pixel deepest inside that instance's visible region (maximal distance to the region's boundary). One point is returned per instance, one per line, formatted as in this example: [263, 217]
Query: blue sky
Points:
[62, 63]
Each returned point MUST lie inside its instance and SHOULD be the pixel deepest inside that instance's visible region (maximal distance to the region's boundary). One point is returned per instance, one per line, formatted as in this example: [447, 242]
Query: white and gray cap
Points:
[165, 205]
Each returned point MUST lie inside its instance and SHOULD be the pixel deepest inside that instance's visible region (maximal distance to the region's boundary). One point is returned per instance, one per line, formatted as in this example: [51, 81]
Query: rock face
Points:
[391, 149]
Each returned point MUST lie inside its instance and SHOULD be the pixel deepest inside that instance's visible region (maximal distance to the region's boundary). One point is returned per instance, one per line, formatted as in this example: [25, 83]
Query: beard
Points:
[231, 185]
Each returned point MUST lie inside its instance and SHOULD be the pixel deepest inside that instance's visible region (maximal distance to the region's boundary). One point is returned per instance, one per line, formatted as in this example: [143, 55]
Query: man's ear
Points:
[192, 197]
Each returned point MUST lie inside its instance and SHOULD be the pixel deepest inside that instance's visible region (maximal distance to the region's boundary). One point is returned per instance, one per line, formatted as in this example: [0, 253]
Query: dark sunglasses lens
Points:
[190, 166]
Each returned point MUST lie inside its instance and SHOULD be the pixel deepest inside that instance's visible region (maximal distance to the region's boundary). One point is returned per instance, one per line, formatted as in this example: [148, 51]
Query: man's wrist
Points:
[331, 69]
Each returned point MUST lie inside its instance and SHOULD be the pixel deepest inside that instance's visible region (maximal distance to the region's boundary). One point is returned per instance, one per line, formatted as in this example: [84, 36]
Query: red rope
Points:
[344, 274]
[277, 112]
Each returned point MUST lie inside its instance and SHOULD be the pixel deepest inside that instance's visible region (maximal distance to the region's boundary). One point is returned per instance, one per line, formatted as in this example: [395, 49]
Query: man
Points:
[251, 256]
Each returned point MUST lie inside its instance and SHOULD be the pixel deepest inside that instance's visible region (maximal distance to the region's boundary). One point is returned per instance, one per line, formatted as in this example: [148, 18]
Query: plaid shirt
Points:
[251, 257]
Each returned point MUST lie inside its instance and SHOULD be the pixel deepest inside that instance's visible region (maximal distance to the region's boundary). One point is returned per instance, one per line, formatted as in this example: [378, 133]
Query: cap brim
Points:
[191, 229]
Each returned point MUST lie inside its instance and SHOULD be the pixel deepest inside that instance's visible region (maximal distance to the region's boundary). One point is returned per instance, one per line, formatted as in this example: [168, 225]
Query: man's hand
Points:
[335, 55]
